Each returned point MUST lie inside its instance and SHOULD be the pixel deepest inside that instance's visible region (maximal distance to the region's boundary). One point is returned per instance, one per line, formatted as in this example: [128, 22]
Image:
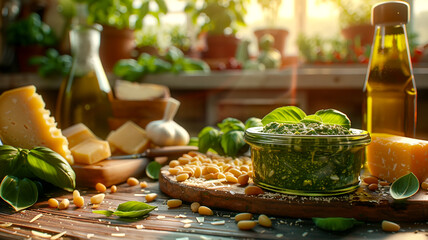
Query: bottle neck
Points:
[85, 43]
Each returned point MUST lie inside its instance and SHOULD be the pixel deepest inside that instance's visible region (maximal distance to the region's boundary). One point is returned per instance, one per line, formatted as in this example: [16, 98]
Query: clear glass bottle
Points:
[390, 90]
[85, 95]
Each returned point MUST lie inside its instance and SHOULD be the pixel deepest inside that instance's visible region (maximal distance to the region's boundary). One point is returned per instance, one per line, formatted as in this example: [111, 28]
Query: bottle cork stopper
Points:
[390, 13]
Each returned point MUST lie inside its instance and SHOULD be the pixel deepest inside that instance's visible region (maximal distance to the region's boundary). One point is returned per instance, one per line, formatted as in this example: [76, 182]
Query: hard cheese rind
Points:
[129, 138]
[25, 123]
[390, 157]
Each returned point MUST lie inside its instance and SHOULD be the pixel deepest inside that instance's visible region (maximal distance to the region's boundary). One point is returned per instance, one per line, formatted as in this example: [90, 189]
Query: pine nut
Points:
[79, 201]
[243, 179]
[64, 204]
[231, 179]
[183, 160]
[373, 187]
[221, 176]
[97, 199]
[132, 181]
[243, 216]
[189, 171]
[370, 179]
[253, 190]
[151, 197]
[173, 203]
[244, 168]
[198, 172]
[143, 184]
[246, 224]
[182, 177]
[76, 193]
[113, 189]
[388, 226]
[174, 171]
[265, 221]
[203, 210]
[235, 172]
[212, 169]
[195, 206]
[424, 185]
[174, 163]
[383, 183]
[100, 187]
[53, 203]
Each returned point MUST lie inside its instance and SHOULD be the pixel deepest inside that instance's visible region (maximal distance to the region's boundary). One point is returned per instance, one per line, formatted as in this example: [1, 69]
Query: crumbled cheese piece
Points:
[36, 217]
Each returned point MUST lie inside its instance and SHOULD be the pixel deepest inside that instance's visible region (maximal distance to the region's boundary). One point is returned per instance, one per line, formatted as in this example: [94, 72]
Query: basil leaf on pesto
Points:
[312, 119]
[288, 114]
[404, 187]
[332, 116]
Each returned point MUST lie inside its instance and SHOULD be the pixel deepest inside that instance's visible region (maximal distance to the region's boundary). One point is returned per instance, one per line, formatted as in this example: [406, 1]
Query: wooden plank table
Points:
[164, 223]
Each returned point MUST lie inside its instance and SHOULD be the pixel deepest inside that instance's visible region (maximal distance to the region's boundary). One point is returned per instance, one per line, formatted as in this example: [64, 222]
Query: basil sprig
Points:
[292, 114]
[335, 223]
[131, 209]
[404, 187]
[19, 166]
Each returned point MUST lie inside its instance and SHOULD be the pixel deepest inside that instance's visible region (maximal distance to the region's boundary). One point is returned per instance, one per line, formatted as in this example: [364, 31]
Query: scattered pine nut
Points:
[100, 187]
[195, 206]
[143, 184]
[388, 226]
[246, 224]
[151, 197]
[383, 183]
[231, 179]
[79, 201]
[76, 193]
[370, 179]
[36, 217]
[132, 181]
[203, 210]
[182, 177]
[243, 179]
[243, 216]
[97, 199]
[174, 163]
[265, 221]
[253, 190]
[113, 189]
[173, 203]
[373, 187]
[64, 204]
[53, 203]
[424, 185]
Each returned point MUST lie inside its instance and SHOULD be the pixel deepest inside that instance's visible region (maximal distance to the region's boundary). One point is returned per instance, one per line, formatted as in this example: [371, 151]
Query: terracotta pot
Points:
[365, 31]
[280, 35]
[115, 44]
[220, 46]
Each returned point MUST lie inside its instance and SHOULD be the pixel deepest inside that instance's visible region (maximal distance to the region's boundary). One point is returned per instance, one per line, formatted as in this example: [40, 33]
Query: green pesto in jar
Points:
[312, 128]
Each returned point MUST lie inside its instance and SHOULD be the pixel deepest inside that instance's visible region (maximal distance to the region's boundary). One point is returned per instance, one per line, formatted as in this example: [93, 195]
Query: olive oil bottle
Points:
[390, 90]
[85, 95]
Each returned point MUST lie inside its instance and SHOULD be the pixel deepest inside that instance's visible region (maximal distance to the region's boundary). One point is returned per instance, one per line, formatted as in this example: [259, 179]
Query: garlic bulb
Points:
[166, 132]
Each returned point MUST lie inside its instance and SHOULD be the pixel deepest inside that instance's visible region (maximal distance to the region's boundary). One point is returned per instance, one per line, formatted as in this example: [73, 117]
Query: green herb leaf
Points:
[335, 223]
[131, 209]
[19, 193]
[332, 116]
[253, 122]
[153, 170]
[312, 119]
[210, 137]
[51, 167]
[8, 159]
[231, 124]
[404, 187]
[232, 142]
[288, 114]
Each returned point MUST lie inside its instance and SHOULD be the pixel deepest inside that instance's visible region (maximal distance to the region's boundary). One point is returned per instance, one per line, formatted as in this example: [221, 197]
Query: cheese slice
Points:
[25, 123]
[129, 138]
[91, 151]
[390, 157]
[77, 134]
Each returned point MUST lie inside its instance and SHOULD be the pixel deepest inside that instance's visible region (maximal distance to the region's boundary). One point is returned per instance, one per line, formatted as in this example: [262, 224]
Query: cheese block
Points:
[91, 151]
[129, 138]
[77, 134]
[25, 123]
[390, 157]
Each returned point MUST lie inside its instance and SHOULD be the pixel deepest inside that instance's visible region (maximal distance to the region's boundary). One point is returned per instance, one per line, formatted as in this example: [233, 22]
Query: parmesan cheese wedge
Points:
[129, 138]
[91, 151]
[77, 134]
[390, 157]
[25, 123]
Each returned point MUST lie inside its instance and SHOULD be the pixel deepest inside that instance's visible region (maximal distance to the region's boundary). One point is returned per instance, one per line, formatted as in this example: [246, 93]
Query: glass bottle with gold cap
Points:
[390, 90]
[85, 95]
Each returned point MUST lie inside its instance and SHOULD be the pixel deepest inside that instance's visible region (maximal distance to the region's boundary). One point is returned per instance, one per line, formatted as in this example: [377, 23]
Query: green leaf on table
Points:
[19, 193]
[312, 119]
[232, 142]
[288, 114]
[404, 187]
[131, 209]
[51, 167]
[335, 223]
[153, 170]
[253, 122]
[332, 116]
[231, 124]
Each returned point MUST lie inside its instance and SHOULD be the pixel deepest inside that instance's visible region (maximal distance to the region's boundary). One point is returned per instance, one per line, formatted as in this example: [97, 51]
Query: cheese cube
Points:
[91, 151]
[25, 123]
[390, 157]
[77, 134]
[129, 138]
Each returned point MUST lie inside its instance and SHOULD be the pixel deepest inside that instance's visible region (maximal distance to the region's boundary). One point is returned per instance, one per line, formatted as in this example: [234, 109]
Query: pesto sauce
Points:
[312, 128]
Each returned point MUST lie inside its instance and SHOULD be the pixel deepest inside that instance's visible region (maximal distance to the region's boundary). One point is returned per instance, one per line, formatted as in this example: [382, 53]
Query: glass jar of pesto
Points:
[310, 165]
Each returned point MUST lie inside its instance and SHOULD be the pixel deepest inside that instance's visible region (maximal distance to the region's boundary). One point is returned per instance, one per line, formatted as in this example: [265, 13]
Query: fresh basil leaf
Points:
[332, 116]
[51, 167]
[108, 213]
[335, 223]
[231, 124]
[210, 137]
[8, 158]
[153, 170]
[404, 187]
[288, 114]
[253, 122]
[232, 142]
[312, 119]
[19, 193]
[194, 141]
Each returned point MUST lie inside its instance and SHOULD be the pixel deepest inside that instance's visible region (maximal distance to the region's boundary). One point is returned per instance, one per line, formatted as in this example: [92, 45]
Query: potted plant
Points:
[119, 20]
[270, 11]
[146, 41]
[220, 22]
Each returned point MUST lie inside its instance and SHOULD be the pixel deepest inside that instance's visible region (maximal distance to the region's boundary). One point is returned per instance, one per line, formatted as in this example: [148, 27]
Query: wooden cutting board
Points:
[363, 204]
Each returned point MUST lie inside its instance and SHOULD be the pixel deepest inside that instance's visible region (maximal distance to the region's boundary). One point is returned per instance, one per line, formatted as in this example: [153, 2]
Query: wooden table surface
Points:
[163, 223]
